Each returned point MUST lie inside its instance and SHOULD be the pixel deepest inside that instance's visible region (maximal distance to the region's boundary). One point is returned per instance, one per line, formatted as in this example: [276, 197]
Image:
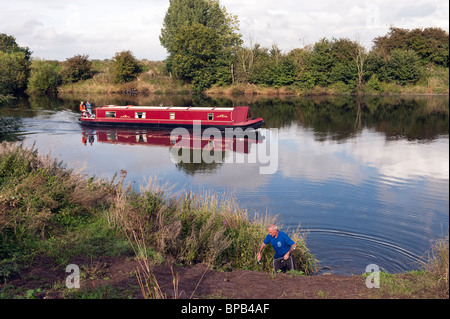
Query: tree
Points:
[430, 44]
[349, 60]
[360, 57]
[126, 67]
[320, 62]
[77, 68]
[243, 64]
[44, 77]
[14, 65]
[403, 66]
[261, 72]
[8, 44]
[209, 58]
[209, 13]
[197, 50]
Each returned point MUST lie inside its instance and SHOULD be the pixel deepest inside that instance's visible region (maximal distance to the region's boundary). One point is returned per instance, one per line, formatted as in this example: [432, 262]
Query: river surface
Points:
[366, 179]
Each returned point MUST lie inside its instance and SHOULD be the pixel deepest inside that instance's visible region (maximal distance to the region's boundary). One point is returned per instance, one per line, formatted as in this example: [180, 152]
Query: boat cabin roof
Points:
[171, 108]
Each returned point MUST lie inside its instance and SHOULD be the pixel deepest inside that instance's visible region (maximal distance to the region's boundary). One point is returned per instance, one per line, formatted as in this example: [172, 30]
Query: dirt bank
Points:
[115, 277]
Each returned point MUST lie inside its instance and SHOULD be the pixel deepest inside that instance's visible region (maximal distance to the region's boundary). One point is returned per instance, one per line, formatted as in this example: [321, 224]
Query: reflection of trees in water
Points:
[338, 118]
[9, 129]
[192, 168]
[330, 117]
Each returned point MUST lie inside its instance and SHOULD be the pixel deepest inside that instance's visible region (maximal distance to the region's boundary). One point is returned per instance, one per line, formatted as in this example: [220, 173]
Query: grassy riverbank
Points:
[49, 210]
[156, 80]
[51, 217]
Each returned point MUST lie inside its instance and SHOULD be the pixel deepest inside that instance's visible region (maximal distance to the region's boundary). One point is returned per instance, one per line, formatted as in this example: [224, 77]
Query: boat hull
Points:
[252, 124]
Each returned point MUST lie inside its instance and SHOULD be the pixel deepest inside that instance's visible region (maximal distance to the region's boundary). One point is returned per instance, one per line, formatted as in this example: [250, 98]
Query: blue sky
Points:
[59, 29]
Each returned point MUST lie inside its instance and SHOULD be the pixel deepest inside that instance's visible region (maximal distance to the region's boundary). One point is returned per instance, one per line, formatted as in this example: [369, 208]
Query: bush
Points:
[126, 67]
[77, 68]
[374, 83]
[14, 66]
[44, 78]
[403, 67]
[14, 72]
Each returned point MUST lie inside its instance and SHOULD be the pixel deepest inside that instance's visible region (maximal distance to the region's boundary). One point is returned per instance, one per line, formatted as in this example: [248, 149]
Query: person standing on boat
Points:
[89, 108]
[283, 246]
[82, 109]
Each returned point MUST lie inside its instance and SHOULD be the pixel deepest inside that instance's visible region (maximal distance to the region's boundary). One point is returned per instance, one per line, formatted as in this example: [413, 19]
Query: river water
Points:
[366, 179]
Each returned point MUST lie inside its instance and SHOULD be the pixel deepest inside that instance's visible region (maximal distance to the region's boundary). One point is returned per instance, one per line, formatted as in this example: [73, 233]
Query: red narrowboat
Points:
[167, 117]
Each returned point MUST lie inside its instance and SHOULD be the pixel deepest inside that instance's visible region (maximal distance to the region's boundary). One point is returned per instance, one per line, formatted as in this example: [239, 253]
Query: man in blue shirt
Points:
[89, 108]
[280, 242]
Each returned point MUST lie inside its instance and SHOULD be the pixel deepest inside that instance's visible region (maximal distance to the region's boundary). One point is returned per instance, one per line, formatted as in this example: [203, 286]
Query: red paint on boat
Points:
[160, 116]
[165, 139]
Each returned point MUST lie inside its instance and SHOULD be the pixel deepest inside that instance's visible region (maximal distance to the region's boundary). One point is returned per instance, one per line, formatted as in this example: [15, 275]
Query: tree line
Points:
[205, 49]
[20, 73]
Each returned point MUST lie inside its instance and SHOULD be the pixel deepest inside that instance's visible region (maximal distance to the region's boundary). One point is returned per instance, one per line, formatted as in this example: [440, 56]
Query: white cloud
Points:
[60, 29]
[292, 23]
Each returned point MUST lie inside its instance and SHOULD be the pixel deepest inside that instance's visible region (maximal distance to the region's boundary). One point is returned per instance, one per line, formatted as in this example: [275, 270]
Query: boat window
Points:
[110, 114]
[112, 137]
[172, 116]
[139, 115]
[141, 138]
[210, 116]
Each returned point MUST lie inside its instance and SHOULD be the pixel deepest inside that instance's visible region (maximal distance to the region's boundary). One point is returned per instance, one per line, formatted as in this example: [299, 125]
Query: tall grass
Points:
[47, 208]
[438, 261]
[198, 228]
[428, 282]
[44, 207]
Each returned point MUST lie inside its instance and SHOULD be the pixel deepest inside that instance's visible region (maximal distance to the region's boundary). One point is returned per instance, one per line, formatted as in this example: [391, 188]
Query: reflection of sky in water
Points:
[396, 160]
[364, 199]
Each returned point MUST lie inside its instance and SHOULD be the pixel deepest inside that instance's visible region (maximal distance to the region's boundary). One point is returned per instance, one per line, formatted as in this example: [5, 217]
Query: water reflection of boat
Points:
[220, 141]
[169, 117]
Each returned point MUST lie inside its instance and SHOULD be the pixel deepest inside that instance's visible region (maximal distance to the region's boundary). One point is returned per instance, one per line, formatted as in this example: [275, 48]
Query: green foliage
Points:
[320, 62]
[39, 200]
[8, 44]
[374, 83]
[76, 68]
[199, 58]
[280, 69]
[201, 39]
[343, 65]
[126, 67]
[403, 66]
[14, 70]
[430, 44]
[196, 48]
[44, 77]
[14, 66]
[208, 13]
[205, 49]
[198, 229]
[259, 68]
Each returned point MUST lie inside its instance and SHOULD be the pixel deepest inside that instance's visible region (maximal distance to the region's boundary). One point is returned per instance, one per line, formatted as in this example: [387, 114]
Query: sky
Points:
[60, 29]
